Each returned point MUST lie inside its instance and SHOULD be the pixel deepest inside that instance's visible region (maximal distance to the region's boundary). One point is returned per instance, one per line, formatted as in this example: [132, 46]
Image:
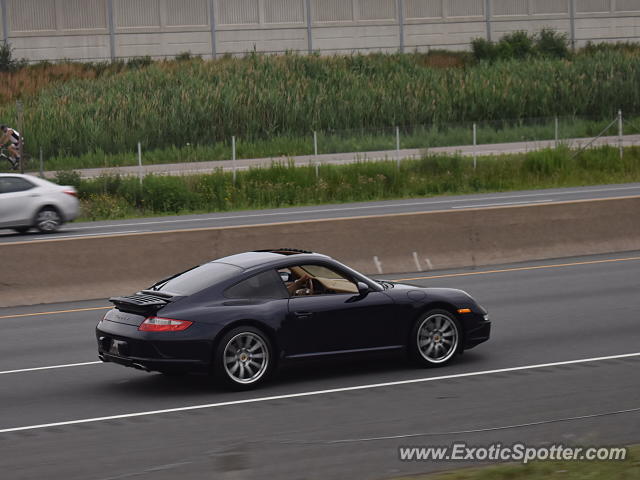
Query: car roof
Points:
[265, 257]
[32, 178]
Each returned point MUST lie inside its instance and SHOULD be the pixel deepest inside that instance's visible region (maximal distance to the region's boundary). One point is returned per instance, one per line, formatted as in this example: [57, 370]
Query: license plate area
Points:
[119, 347]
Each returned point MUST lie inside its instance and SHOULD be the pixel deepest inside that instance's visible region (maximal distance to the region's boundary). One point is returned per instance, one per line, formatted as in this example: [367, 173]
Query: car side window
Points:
[303, 280]
[263, 285]
[14, 184]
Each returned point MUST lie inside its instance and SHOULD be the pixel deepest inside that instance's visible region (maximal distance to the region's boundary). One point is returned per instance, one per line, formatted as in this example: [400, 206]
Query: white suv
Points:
[27, 201]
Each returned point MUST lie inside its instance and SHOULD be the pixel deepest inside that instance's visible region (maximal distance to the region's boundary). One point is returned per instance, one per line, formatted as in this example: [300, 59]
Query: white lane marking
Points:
[346, 209]
[504, 204]
[487, 429]
[314, 393]
[51, 367]
[85, 235]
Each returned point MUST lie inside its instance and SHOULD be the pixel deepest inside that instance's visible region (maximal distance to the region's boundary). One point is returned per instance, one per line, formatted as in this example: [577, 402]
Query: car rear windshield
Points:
[199, 278]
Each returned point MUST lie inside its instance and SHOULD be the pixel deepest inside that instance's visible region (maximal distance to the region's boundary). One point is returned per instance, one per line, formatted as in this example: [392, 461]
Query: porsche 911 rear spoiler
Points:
[145, 302]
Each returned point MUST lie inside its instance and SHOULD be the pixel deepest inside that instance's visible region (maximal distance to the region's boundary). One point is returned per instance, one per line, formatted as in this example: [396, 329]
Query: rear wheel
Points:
[435, 338]
[243, 359]
[48, 220]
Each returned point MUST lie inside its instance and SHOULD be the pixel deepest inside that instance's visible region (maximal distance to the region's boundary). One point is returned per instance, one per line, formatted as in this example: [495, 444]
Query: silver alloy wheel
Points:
[246, 358]
[48, 220]
[437, 338]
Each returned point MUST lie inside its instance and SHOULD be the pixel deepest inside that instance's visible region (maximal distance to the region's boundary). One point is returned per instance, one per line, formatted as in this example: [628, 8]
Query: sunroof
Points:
[285, 251]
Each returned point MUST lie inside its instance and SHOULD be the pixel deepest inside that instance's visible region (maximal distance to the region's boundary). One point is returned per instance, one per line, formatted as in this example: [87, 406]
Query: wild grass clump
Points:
[520, 45]
[260, 97]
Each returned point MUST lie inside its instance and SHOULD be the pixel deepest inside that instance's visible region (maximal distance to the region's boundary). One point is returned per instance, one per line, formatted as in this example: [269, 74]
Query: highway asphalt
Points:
[252, 217]
[334, 421]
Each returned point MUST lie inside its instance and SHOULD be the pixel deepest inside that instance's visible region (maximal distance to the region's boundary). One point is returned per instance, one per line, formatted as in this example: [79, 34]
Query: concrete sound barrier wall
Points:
[99, 267]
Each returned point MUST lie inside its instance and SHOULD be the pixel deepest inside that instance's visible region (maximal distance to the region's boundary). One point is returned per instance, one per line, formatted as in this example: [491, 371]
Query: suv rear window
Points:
[199, 278]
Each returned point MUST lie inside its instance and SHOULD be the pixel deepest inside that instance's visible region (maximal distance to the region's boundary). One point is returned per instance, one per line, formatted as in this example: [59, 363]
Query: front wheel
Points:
[435, 338]
[243, 359]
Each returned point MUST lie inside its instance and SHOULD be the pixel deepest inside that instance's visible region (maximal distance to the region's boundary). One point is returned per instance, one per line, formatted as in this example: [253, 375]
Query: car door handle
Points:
[303, 315]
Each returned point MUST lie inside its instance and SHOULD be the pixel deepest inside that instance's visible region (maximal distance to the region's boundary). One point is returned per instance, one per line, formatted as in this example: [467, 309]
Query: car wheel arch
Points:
[46, 206]
[440, 305]
[269, 332]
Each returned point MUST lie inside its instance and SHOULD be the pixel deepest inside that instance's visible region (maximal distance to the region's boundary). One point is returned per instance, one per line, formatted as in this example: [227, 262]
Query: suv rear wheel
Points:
[48, 220]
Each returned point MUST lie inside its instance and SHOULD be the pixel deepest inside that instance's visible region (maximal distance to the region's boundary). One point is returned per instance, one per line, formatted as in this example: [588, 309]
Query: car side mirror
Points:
[363, 289]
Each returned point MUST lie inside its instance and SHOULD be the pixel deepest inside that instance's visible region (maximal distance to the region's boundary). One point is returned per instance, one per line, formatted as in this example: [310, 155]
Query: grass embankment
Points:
[284, 186]
[628, 469]
[364, 140]
[256, 98]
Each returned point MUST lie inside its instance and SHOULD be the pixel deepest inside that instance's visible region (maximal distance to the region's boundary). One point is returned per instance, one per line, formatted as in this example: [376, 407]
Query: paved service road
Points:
[189, 168]
[186, 222]
[344, 420]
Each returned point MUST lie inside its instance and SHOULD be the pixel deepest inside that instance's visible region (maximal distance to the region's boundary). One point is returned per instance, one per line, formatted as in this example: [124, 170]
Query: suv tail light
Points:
[157, 324]
[73, 193]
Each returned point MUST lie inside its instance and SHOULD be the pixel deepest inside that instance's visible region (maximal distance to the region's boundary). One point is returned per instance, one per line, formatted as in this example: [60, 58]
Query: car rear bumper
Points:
[155, 364]
[125, 345]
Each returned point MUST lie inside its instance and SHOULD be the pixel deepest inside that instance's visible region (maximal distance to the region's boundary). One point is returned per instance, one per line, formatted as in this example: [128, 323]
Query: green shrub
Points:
[552, 44]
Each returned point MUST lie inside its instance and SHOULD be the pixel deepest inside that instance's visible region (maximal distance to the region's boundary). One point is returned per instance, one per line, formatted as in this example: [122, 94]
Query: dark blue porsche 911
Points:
[240, 316]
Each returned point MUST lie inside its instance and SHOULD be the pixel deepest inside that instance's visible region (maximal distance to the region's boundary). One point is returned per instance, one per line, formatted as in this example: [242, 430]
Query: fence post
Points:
[5, 21]
[398, 146]
[475, 143]
[315, 143]
[620, 133]
[140, 162]
[41, 164]
[309, 27]
[233, 157]
[400, 6]
[212, 21]
[112, 30]
[20, 115]
[557, 128]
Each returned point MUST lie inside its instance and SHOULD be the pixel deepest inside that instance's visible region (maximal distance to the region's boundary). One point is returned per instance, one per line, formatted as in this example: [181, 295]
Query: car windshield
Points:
[197, 279]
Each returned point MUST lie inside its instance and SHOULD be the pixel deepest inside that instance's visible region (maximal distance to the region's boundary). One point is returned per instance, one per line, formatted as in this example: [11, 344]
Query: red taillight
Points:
[157, 324]
[73, 193]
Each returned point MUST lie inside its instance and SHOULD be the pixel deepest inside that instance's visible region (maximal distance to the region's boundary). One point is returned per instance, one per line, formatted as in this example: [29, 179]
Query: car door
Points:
[18, 198]
[326, 323]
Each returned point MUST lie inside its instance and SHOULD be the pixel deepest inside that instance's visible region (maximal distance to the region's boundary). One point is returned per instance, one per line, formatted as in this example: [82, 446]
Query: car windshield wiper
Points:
[386, 285]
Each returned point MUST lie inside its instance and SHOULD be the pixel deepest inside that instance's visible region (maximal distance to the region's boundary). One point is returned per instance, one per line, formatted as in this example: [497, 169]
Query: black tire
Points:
[48, 220]
[22, 230]
[246, 367]
[426, 341]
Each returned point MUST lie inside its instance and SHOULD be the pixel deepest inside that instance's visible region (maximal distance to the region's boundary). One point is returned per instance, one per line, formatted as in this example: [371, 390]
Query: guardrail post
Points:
[620, 133]
[41, 164]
